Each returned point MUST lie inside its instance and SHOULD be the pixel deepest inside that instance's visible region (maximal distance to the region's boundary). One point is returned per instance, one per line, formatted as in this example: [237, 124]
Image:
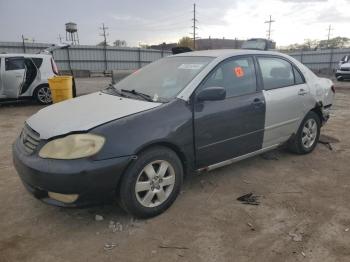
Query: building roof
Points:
[23, 55]
[226, 52]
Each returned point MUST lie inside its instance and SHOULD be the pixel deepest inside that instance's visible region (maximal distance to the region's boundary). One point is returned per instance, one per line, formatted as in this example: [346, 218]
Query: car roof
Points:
[25, 55]
[222, 53]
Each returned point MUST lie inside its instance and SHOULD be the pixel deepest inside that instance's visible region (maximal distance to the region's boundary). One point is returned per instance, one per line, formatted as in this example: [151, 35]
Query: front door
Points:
[232, 127]
[286, 95]
[13, 77]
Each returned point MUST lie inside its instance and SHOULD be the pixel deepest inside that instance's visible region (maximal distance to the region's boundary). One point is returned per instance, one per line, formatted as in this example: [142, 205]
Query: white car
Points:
[26, 76]
[343, 70]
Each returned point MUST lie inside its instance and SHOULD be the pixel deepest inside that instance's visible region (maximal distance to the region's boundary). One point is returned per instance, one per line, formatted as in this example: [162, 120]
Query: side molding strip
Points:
[236, 159]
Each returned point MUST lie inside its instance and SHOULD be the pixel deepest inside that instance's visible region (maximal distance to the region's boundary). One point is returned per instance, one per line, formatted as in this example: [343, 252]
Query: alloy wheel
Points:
[155, 183]
[44, 95]
[309, 133]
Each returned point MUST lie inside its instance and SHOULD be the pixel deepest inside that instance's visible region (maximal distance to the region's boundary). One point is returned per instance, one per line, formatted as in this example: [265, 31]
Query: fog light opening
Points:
[65, 198]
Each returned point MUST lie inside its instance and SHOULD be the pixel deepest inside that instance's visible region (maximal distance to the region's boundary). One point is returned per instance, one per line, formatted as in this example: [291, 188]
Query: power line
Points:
[269, 31]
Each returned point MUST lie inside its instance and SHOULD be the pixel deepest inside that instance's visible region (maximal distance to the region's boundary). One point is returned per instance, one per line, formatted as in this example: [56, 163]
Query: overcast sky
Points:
[157, 21]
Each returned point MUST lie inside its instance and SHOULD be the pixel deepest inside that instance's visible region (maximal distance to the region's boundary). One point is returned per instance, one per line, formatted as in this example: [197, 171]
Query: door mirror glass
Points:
[212, 94]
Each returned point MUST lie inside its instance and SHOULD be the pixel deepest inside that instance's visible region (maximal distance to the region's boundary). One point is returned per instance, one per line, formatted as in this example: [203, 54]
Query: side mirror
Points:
[212, 94]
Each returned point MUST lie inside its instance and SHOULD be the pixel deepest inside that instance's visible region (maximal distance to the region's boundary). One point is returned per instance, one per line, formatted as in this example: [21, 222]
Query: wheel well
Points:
[172, 147]
[317, 109]
[37, 87]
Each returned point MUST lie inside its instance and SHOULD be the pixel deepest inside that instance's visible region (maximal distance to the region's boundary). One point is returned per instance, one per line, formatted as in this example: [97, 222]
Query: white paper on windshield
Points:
[190, 66]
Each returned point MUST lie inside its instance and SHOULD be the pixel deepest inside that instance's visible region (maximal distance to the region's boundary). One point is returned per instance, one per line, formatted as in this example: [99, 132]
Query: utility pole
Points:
[24, 46]
[194, 26]
[329, 34]
[270, 21]
[104, 34]
[60, 38]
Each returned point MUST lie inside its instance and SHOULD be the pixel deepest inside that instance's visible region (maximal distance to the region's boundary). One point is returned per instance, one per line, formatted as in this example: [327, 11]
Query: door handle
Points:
[302, 92]
[258, 102]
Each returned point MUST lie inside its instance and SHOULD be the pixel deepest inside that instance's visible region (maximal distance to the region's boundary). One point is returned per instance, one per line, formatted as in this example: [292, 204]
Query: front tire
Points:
[152, 183]
[307, 136]
[42, 95]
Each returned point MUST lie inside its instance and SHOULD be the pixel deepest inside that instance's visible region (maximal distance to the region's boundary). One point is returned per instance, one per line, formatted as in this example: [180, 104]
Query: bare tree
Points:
[185, 42]
[120, 43]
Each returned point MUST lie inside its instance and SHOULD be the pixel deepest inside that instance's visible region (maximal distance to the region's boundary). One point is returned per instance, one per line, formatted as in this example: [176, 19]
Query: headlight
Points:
[73, 147]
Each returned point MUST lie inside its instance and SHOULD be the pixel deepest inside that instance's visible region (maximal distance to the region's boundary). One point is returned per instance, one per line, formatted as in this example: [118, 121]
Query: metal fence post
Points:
[139, 57]
[331, 62]
[105, 53]
[69, 64]
[301, 55]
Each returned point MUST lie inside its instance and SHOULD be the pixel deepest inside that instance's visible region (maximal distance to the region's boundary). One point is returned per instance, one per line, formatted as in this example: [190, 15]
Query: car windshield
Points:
[165, 78]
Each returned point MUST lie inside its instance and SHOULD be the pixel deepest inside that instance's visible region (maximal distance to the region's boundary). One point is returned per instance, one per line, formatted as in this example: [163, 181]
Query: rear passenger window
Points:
[237, 76]
[298, 78]
[14, 63]
[276, 72]
[37, 61]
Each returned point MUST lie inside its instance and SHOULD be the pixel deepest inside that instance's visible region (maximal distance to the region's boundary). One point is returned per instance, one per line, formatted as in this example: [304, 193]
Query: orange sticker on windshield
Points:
[239, 72]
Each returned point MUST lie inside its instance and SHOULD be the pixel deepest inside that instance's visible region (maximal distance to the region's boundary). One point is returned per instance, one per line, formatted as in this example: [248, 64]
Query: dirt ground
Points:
[304, 213]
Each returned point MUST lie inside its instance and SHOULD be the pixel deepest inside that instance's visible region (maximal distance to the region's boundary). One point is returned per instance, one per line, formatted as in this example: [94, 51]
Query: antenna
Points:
[270, 21]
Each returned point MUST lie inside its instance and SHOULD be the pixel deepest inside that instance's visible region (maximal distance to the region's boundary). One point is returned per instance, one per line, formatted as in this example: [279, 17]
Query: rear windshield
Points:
[166, 77]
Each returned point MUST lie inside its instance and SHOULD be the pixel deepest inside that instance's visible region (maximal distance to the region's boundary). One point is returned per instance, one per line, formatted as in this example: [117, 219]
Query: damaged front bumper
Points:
[69, 183]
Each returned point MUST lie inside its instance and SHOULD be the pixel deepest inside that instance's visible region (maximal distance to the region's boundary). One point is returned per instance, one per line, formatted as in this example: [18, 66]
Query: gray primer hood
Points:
[84, 113]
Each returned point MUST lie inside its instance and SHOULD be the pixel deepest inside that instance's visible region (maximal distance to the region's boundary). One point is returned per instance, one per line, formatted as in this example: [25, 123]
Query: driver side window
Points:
[236, 75]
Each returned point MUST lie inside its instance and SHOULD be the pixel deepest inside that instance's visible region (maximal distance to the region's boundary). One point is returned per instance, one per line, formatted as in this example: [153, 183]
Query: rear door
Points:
[234, 126]
[13, 76]
[32, 77]
[286, 95]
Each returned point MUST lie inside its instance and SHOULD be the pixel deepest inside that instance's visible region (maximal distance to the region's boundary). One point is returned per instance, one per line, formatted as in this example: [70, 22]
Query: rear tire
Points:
[42, 95]
[152, 183]
[308, 134]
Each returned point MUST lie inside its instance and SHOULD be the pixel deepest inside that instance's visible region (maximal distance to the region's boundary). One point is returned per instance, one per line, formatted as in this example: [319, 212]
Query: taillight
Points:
[54, 67]
[333, 89]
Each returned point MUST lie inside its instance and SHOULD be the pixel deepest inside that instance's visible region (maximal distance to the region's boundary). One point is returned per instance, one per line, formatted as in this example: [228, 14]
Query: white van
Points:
[26, 76]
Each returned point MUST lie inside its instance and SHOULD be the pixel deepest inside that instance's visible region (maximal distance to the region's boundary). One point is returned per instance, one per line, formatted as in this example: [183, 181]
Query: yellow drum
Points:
[61, 88]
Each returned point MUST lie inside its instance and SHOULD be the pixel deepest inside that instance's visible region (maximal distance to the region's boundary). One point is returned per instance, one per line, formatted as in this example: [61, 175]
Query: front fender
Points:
[170, 124]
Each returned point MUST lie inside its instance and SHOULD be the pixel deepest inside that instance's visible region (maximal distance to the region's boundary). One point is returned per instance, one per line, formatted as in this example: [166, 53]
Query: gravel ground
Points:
[304, 213]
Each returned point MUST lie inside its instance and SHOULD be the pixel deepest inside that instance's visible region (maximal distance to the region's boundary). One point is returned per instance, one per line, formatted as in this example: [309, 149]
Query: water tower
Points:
[72, 33]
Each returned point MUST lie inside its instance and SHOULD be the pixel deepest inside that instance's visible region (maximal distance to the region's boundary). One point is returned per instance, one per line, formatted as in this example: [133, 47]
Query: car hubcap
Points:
[44, 95]
[155, 183]
[309, 134]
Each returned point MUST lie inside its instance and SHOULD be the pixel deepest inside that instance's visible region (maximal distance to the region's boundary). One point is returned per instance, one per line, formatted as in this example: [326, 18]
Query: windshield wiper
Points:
[134, 92]
[111, 89]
